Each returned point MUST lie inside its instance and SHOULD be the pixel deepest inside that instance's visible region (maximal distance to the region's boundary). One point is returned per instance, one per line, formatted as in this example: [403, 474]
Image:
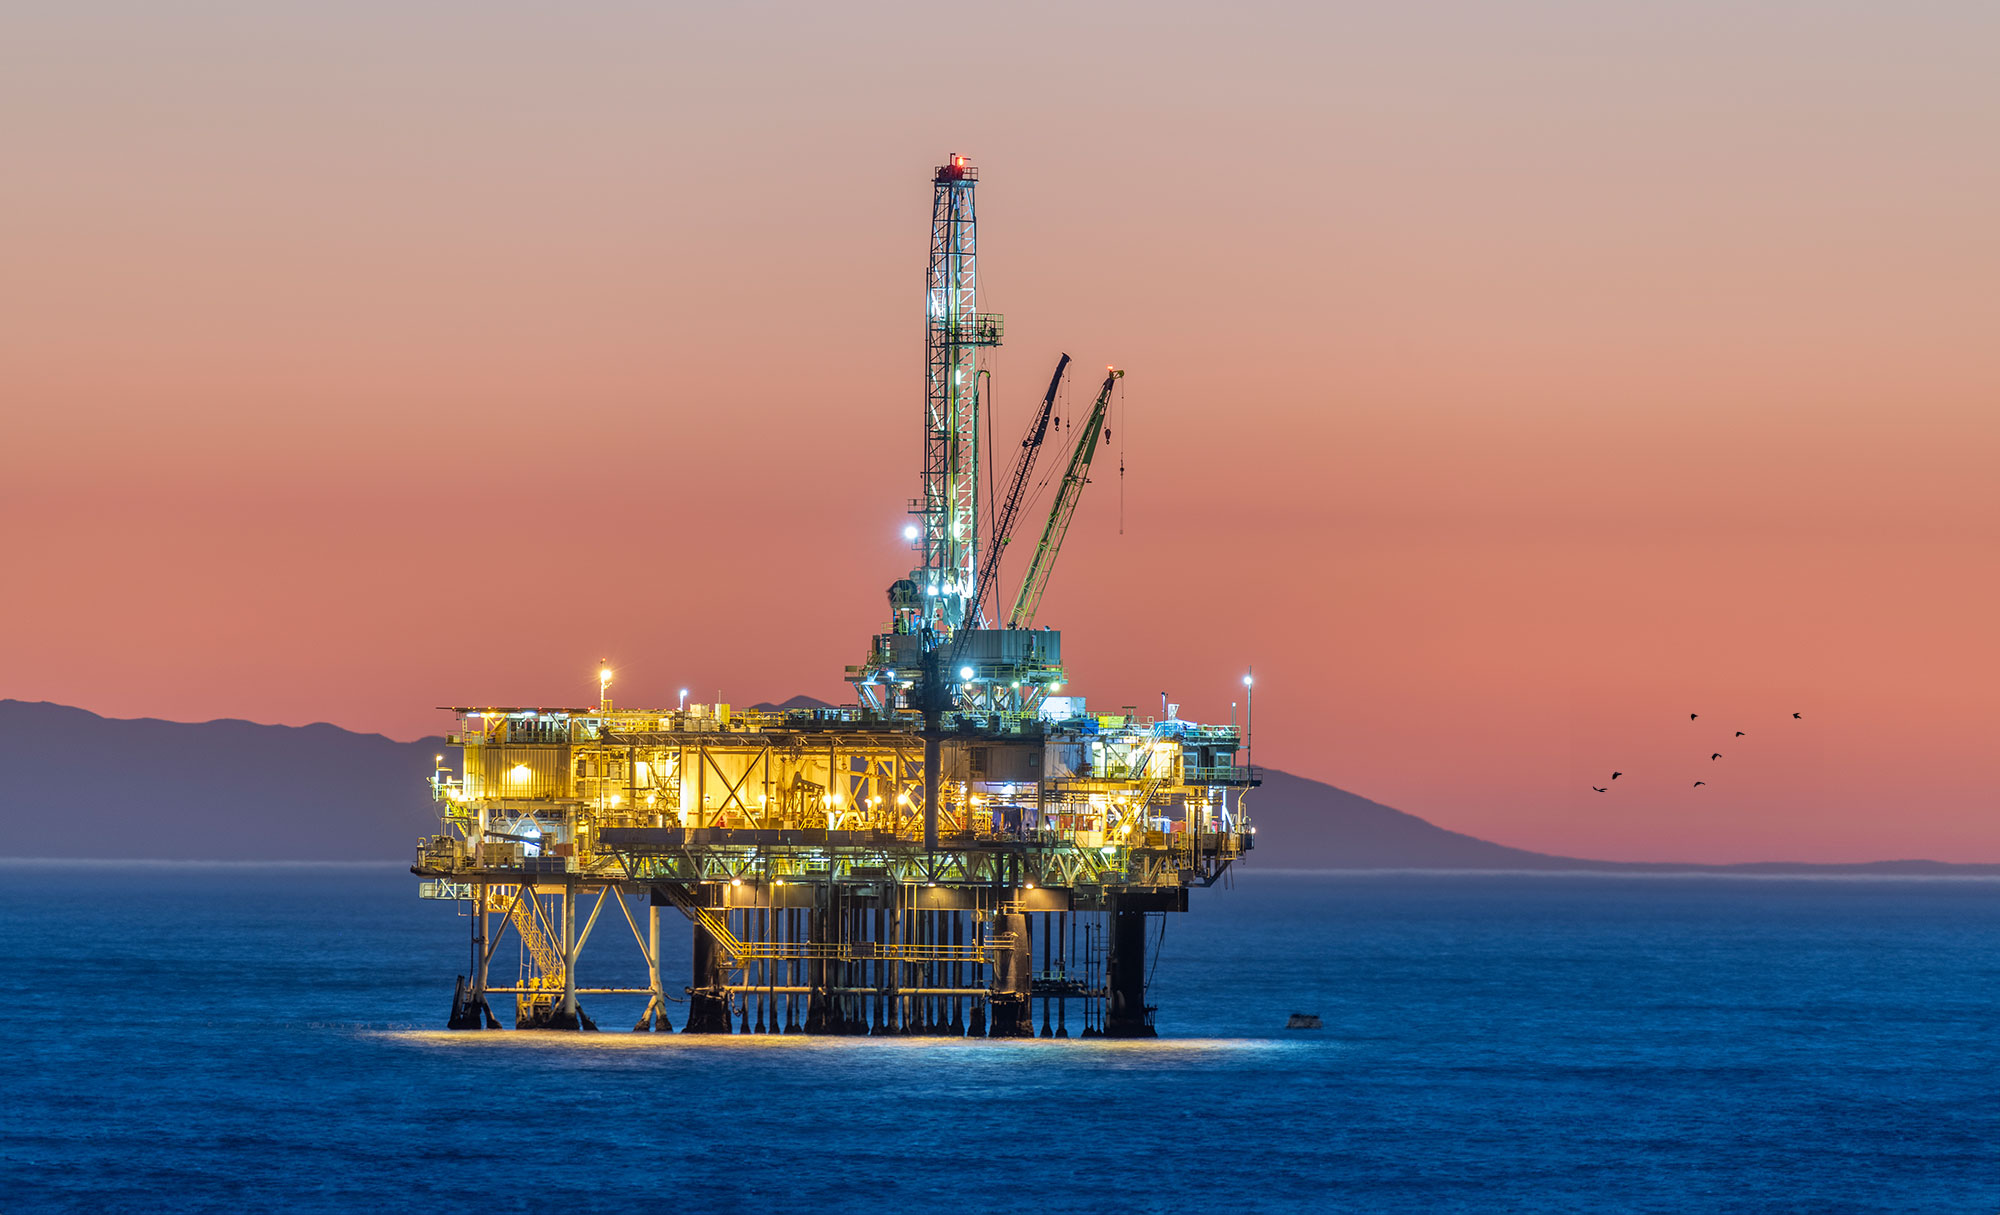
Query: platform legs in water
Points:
[469, 1009]
[823, 959]
[1013, 977]
[1129, 1015]
[708, 998]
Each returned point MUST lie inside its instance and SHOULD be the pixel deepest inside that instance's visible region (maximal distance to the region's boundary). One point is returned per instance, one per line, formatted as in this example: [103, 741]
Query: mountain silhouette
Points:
[73, 784]
[77, 785]
[796, 702]
[1308, 824]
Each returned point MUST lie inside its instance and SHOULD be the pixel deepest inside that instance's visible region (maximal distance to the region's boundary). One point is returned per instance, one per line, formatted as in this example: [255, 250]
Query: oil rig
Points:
[891, 866]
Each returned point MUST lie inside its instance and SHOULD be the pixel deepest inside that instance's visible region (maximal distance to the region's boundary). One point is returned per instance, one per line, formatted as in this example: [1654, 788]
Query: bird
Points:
[1739, 734]
[1616, 775]
[1796, 717]
[1600, 788]
[1692, 716]
[1716, 756]
[1698, 784]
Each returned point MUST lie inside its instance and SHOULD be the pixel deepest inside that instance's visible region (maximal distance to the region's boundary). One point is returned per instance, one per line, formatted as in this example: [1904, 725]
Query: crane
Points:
[1023, 615]
[1003, 520]
[934, 695]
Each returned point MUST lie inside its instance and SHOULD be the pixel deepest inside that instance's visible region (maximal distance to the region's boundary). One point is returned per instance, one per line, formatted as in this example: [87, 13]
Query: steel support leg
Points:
[1129, 1016]
[468, 997]
[1013, 978]
[708, 1003]
[655, 1016]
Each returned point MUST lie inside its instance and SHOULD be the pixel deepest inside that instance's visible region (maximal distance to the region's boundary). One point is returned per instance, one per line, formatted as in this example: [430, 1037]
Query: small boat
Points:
[1303, 1021]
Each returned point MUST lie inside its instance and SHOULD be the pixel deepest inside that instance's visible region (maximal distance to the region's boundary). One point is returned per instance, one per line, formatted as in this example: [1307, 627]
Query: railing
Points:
[979, 329]
[715, 921]
[537, 731]
[1220, 774]
[857, 951]
[1209, 735]
[440, 853]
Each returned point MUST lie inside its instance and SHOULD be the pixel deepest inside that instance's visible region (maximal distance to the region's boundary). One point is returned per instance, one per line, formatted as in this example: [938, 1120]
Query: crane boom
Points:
[1017, 484]
[1023, 615]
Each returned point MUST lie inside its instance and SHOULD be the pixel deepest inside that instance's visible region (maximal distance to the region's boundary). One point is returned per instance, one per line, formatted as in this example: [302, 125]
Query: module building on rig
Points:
[885, 867]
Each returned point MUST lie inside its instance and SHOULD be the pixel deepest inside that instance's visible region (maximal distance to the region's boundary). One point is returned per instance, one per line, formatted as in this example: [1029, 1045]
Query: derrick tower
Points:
[955, 332]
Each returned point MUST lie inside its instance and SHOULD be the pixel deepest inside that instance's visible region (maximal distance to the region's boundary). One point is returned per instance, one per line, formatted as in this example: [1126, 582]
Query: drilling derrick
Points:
[890, 866]
[955, 332]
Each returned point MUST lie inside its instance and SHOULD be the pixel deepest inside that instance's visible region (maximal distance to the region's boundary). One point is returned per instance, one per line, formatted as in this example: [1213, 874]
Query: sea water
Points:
[227, 1039]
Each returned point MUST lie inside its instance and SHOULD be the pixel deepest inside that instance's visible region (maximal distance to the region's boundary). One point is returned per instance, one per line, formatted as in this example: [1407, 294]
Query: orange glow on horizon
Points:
[1587, 374]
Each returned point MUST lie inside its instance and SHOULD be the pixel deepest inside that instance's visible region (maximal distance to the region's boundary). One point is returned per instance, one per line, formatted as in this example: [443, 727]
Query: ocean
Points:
[221, 1038]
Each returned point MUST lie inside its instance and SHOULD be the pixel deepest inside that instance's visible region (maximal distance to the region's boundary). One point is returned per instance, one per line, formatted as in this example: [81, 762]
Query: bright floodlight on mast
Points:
[954, 333]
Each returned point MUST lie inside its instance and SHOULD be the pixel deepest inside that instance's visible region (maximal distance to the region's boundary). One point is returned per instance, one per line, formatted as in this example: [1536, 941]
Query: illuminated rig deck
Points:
[881, 867]
[795, 842]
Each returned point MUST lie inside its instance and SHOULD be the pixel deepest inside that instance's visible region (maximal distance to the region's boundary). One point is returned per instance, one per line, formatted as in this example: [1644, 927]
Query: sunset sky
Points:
[1505, 382]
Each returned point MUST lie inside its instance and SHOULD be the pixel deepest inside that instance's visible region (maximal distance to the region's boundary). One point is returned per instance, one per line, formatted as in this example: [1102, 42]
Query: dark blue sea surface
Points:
[221, 1038]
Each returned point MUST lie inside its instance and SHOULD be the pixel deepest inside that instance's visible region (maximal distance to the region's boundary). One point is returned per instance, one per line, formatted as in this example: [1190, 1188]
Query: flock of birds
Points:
[1712, 758]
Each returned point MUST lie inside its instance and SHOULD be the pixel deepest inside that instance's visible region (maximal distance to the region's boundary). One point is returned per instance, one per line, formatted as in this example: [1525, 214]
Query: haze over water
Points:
[226, 1038]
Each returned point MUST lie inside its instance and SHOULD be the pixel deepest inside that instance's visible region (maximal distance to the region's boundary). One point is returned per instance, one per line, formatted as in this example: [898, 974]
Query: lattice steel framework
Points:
[954, 333]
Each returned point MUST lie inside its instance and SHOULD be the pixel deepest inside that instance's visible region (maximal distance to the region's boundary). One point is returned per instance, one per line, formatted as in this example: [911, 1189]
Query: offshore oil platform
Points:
[892, 866]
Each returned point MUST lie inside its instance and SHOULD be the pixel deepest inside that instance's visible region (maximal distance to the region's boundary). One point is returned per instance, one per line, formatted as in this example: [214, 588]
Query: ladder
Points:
[542, 964]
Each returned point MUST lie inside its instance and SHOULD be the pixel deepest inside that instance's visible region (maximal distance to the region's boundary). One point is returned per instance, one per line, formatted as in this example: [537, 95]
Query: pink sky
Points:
[1505, 382]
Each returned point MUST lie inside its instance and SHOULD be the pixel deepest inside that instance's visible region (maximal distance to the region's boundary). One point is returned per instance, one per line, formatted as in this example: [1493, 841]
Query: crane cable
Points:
[1119, 404]
[992, 501]
[1049, 472]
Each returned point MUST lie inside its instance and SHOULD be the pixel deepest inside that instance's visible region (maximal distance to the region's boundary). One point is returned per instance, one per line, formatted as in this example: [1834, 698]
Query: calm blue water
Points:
[221, 1039]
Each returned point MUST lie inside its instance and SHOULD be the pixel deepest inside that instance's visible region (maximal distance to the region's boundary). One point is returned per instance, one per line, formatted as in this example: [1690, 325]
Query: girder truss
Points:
[954, 333]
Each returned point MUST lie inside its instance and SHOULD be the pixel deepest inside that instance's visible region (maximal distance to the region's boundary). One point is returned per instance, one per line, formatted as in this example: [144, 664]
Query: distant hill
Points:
[796, 702]
[1314, 825]
[73, 784]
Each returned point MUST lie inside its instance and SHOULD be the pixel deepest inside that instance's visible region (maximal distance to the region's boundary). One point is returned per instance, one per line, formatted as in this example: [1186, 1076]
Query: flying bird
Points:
[1716, 756]
[1698, 784]
[1739, 734]
[1616, 775]
[1692, 716]
[1600, 788]
[1796, 716]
